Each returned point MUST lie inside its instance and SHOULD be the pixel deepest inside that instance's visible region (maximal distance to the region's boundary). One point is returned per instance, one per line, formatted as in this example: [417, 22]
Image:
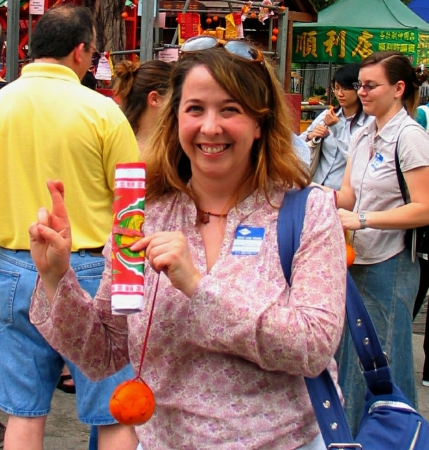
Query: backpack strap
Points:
[399, 174]
[323, 394]
[321, 389]
[404, 190]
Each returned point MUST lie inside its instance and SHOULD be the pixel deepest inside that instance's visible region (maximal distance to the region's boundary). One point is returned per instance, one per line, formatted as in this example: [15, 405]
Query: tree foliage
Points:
[110, 25]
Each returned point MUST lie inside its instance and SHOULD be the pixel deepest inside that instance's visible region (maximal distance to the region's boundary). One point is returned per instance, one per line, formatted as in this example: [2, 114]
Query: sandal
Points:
[67, 388]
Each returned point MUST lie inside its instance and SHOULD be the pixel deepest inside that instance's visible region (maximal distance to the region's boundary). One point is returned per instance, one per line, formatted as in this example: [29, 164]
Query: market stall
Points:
[350, 30]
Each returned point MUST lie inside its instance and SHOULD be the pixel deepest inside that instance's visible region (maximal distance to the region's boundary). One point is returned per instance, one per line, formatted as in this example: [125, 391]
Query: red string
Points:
[149, 322]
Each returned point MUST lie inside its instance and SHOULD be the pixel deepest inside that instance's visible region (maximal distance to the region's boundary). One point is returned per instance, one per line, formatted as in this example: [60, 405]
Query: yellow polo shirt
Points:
[53, 127]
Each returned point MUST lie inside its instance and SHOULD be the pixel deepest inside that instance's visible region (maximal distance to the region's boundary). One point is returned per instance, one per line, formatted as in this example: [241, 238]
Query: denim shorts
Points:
[30, 368]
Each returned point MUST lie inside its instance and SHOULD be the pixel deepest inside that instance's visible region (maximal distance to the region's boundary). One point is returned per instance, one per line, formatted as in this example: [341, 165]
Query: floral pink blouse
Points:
[227, 365]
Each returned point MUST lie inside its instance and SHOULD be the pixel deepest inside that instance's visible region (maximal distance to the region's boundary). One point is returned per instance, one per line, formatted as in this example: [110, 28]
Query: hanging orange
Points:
[132, 402]
[215, 18]
[350, 254]
[275, 31]
[124, 15]
[209, 21]
[274, 38]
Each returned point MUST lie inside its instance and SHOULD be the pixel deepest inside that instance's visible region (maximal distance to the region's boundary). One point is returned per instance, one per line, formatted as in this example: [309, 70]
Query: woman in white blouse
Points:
[336, 127]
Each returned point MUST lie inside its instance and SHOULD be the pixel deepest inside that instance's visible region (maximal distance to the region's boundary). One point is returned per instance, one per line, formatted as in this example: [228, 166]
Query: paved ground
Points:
[65, 432]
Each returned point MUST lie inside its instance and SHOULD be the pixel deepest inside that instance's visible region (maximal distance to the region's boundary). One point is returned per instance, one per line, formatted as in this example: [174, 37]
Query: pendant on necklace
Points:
[204, 216]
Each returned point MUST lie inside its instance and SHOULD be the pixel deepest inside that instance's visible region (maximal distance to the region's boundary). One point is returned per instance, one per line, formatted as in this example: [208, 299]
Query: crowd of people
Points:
[231, 341]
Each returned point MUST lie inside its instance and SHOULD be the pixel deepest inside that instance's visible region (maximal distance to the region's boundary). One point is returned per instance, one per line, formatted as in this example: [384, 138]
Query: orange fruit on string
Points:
[209, 21]
[124, 15]
[275, 31]
[274, 38]
[350, 255]
[132, 402]
[215, 18]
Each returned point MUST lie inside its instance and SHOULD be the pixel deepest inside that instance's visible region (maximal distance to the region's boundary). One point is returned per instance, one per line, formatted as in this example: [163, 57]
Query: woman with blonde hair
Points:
[230, 340]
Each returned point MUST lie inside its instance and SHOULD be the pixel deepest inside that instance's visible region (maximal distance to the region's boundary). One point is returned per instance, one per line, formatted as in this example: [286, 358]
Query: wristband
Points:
[362, 220]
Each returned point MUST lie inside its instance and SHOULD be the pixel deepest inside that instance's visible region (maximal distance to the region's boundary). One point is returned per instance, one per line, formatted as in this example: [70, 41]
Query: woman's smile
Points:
[213, 149]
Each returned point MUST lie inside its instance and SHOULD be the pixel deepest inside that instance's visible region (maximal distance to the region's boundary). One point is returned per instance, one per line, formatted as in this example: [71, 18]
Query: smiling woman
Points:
[230, 339]
[374, 208]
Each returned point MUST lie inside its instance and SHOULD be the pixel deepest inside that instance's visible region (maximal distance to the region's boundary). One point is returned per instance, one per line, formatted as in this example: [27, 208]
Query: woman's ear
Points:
[400, 89]
[154, 99]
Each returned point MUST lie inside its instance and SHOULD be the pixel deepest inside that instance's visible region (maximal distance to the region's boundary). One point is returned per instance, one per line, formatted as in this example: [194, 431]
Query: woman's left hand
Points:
[168, 251]
[349, 220]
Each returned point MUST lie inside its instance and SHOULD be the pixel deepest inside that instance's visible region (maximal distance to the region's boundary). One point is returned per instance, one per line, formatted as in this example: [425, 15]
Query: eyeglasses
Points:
[236, 47]
[95, 52]
[342, 89]
[366, 87]
[96, 55]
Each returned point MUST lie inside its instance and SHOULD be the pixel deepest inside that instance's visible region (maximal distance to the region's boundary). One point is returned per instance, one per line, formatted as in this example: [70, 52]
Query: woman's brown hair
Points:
[255, 86]
[134, 81]
[397, 67]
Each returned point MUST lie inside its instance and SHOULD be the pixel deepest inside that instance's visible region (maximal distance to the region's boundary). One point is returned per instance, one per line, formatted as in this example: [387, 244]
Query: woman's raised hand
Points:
[168, 252]
[50, 239]
[331, 118]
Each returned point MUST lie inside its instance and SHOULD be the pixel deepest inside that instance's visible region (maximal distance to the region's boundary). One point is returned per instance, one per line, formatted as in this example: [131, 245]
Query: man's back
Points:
[52, 127]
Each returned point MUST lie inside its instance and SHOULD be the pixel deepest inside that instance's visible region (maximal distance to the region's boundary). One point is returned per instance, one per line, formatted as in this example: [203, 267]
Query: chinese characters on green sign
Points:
[345, 45]
[423, 49]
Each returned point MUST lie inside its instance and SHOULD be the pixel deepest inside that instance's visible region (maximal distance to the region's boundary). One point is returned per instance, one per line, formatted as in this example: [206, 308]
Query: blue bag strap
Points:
[323, 394]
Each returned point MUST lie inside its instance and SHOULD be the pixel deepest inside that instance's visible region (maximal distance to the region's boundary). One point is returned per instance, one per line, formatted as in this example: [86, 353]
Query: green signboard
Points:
[346, 45]
[423, 49]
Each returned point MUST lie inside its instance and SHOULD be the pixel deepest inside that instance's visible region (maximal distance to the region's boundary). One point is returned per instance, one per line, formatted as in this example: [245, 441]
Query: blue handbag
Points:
[388, 420]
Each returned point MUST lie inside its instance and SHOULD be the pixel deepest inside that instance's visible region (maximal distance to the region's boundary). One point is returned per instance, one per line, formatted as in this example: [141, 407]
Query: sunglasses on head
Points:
[236, 47]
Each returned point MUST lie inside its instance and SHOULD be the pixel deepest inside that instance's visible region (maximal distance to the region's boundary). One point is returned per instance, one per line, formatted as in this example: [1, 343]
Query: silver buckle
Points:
[375, 366]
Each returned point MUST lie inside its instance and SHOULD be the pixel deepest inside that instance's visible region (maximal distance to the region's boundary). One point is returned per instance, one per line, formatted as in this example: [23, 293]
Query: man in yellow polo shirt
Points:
[52, 127]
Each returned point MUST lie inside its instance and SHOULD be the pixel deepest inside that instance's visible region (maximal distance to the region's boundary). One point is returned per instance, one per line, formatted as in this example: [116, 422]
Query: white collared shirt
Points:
[333, 158]
[374, 180]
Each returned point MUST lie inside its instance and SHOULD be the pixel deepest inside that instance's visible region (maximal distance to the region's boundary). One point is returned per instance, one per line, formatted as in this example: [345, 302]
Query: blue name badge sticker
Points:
[248, 240]
[377, 161]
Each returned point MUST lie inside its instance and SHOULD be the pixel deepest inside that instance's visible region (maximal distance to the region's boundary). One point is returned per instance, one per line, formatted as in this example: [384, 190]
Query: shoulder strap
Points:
[323, 394]
[404, 192]
[399, 174]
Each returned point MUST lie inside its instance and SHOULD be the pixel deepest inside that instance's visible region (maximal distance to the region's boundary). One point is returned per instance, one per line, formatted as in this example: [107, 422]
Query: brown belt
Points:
[93, 251]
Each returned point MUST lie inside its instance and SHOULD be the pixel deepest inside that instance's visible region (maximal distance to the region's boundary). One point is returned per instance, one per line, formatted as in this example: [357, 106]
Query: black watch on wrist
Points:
[362, 220]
